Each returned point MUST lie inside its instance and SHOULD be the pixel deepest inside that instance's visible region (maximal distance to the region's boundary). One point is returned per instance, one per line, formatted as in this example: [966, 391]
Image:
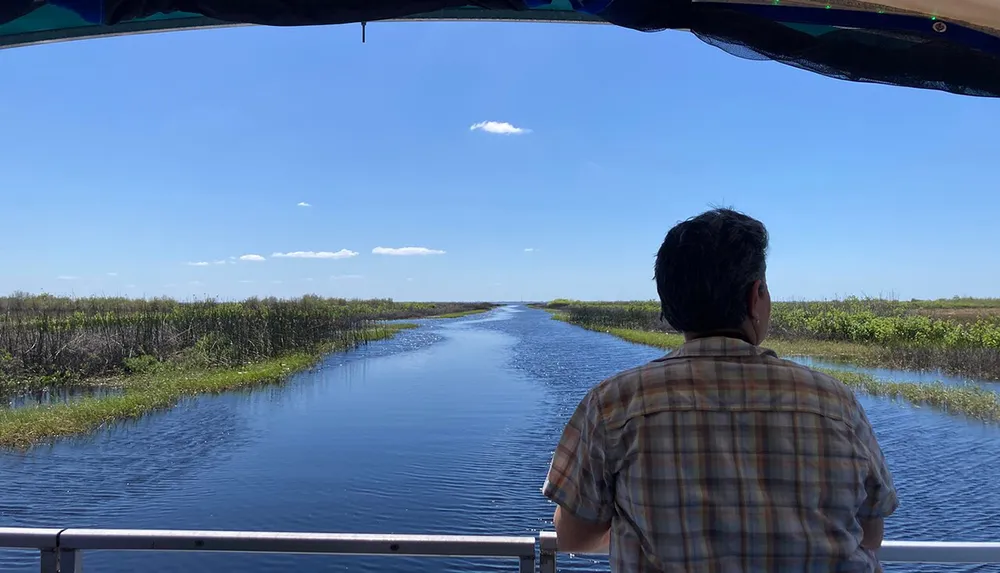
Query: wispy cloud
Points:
[498, 127]
[303, 204]
[409, 279]
[67, 277]
[112, 274]
[246, 282]
[341, 254]
[405, 251]
[219, 262]
[345, 277]
[530, 250]
[252, 258]
[199, 264]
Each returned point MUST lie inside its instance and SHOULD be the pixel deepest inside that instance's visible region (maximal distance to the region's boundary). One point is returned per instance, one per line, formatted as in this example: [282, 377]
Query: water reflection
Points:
[58, 395]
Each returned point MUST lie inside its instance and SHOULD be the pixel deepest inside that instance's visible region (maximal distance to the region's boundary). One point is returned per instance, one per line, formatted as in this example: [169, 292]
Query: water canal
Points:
[444, 429]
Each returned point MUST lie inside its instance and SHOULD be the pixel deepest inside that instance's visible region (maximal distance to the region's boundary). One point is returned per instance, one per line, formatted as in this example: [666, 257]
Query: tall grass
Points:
[46, 336]
[158, 389]
[898, 334]
[967, 400]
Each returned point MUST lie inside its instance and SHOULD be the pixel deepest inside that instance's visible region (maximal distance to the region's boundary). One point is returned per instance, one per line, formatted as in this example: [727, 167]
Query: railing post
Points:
[50, 560]
[527, 564]
[70, 561]
[548, 548]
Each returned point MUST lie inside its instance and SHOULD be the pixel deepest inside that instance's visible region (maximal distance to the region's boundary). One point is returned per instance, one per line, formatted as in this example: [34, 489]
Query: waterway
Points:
[448, 428]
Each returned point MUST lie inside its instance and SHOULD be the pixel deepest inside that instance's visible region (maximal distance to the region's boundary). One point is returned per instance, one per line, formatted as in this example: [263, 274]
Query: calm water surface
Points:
[445, 429]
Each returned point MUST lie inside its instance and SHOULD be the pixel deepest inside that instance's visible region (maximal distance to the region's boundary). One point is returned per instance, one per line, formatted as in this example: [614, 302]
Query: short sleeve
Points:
[577, 478]
[882, 500]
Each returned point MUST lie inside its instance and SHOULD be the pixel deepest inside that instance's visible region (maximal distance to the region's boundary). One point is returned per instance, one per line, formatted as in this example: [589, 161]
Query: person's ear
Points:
[753, 297]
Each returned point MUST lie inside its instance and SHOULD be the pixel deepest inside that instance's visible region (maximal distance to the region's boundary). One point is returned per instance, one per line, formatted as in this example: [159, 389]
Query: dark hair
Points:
[705, 267]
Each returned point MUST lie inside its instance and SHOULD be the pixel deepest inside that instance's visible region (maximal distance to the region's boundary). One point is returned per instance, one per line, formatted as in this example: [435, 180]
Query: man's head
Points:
[710, 275]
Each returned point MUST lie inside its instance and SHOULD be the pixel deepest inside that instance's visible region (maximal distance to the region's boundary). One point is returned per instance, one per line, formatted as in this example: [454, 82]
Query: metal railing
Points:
[61, 549]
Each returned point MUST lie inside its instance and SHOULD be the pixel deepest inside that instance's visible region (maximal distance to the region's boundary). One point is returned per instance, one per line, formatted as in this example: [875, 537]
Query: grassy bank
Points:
[968, 400]
[960, 336]
[158, 389]
[47, 341]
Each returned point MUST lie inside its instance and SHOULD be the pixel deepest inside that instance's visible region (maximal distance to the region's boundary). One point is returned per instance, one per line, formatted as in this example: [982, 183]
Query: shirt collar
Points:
[718, 346]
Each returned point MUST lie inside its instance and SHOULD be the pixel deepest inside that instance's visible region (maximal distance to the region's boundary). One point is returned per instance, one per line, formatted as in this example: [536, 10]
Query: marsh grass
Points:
[158, 389]
[958, 336]
[967, 400]
[63, 340]
[462, 313]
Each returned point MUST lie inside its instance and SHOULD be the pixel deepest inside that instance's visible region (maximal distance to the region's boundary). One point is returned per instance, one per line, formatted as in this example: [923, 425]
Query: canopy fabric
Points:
[948, 45]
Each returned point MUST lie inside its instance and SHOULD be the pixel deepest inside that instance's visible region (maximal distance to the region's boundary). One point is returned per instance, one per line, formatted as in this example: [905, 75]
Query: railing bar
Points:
[940, 552]
[285, 542]
[71, 541]
[29, 538]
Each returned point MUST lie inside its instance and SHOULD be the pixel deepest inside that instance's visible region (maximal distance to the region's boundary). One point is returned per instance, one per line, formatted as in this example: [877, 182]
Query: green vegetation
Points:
[461, 313]
[960, 336]
[48, 341]
[968, 400]
[157, 389]
[159, 351]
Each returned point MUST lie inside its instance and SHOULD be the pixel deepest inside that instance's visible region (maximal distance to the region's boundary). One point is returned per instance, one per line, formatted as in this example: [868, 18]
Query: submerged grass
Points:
[462, 313]
[967, 400]
[23, 427]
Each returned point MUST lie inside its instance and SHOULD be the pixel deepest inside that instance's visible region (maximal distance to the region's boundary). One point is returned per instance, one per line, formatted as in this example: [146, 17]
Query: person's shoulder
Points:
[622, 387]
[827, 388]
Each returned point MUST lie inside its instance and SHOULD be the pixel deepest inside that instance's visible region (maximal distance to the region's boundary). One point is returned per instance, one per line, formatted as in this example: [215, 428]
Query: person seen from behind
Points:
[720, 457]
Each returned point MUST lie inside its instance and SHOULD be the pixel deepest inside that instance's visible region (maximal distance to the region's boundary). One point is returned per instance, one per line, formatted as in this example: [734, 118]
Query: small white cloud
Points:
[246, 282]
[232, 258]
[220, 262]
[498, 127]
[530, 250]
[345, 277]
[341, 254]
[199, 264]
[112, 274]
[304, 204]
[406, 251]
[252, 258]
[67, 277]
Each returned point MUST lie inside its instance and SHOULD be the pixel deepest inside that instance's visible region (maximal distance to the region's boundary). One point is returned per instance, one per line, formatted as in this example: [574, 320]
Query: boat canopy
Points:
[947, 45]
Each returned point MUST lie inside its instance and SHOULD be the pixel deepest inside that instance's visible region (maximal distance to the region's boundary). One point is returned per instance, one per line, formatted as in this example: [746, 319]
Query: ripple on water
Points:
[445, 429]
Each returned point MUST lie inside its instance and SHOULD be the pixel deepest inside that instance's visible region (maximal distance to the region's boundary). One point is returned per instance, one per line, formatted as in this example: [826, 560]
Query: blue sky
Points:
[125, 159]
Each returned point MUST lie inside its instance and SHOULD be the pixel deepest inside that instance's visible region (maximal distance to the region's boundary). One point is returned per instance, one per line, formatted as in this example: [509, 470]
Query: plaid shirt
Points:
[720, 458]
